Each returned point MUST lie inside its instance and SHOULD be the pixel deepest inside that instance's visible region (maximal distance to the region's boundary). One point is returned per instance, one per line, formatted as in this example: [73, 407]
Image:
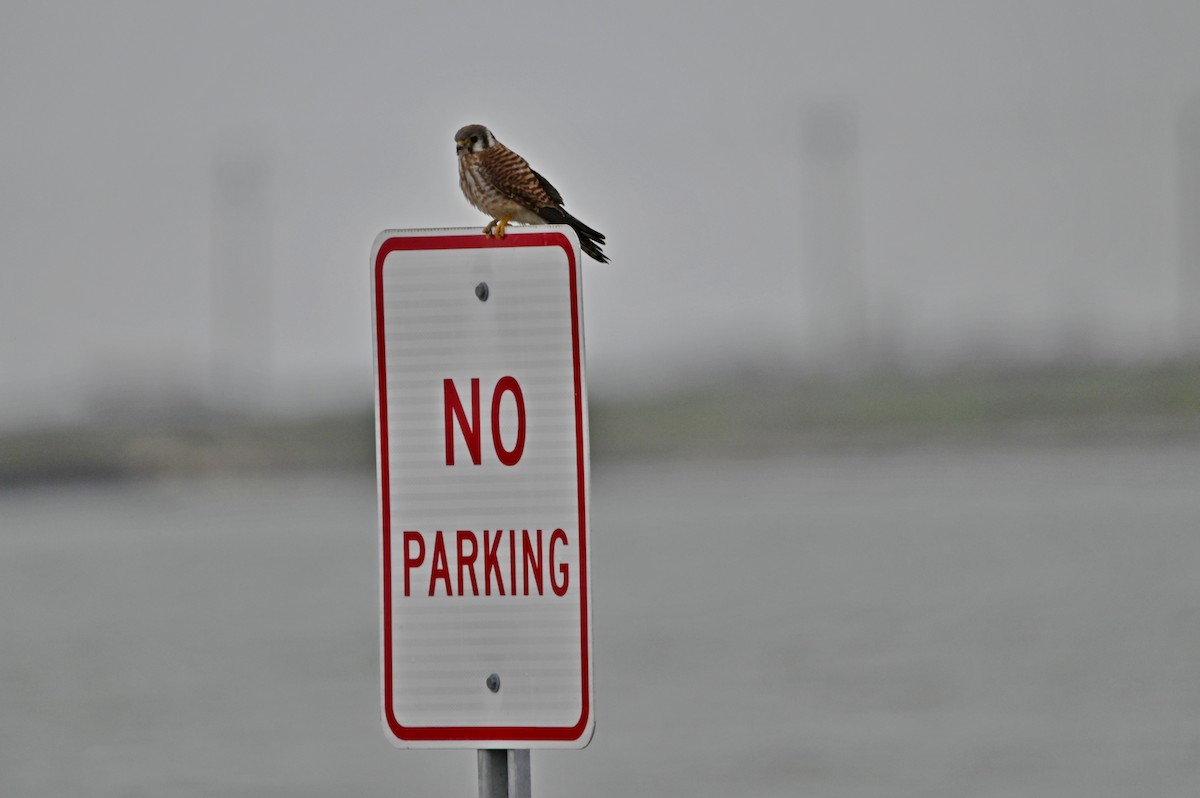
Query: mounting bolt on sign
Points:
[484, 486]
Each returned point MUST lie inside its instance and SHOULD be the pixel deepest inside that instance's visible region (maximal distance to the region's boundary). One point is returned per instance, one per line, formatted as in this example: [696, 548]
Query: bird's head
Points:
[473, 138]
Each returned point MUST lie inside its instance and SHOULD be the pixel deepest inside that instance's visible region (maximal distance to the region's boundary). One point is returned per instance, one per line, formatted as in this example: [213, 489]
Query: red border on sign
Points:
[479, 733]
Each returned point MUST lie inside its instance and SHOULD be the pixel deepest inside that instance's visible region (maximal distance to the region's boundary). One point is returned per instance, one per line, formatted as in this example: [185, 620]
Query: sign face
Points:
[484, 475]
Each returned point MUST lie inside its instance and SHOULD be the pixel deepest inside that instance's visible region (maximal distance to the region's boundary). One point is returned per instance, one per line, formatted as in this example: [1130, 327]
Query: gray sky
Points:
[1015, 186]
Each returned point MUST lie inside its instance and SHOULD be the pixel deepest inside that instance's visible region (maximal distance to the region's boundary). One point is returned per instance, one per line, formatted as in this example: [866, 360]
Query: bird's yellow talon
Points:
[500, 228]
[487, 231]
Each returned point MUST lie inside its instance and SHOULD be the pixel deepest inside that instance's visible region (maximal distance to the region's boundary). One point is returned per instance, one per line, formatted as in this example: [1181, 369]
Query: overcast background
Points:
[189, 191]
[904, 295]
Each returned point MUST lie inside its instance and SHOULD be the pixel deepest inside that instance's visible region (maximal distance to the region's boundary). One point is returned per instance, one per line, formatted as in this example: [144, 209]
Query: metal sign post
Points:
[504, 774]
[484, 485]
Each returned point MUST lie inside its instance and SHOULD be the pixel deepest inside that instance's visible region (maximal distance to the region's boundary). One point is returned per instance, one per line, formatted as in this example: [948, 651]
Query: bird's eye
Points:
[474, 139]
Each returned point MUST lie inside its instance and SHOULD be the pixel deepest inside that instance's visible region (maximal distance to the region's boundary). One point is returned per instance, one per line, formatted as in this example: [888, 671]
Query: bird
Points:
[501, 183]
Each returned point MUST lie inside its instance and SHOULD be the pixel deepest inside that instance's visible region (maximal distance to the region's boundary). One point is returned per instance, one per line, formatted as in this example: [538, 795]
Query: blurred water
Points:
[919, 622]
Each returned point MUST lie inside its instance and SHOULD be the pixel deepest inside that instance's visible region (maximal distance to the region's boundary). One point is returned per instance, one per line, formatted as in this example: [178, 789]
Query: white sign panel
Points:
[483, 487]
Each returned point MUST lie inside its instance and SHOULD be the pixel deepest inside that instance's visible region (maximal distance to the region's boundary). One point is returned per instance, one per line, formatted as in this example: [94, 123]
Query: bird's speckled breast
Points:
[481, 192]
[478, 189]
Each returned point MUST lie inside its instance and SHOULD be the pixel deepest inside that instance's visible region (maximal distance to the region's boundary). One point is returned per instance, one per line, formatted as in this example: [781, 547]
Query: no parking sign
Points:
[484, 474]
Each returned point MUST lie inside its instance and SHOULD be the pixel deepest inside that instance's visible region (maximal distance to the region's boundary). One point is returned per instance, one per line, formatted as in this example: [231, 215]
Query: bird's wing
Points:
[514, 179]
[550, 190]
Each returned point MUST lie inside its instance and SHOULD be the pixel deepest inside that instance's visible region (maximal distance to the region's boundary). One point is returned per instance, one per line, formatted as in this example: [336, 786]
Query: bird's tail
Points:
[590, 240]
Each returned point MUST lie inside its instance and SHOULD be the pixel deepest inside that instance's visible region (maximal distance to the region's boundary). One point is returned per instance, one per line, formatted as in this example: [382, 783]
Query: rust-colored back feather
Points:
[513, 178]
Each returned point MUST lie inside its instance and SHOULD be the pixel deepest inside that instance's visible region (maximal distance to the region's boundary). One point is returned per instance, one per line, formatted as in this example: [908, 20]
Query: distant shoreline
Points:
[734, 416]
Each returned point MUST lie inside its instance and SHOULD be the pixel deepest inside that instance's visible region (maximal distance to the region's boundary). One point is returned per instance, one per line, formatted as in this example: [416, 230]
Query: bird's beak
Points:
[462, 144]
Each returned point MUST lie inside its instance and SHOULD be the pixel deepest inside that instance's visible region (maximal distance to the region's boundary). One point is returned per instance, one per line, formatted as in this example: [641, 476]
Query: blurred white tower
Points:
[240, 341]
[833, 235]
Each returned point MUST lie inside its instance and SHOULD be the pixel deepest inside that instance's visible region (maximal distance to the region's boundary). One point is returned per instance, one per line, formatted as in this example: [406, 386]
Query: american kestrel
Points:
[500, 183]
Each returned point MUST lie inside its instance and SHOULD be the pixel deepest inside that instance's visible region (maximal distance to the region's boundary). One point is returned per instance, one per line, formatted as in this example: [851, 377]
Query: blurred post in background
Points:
[1189, 227]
